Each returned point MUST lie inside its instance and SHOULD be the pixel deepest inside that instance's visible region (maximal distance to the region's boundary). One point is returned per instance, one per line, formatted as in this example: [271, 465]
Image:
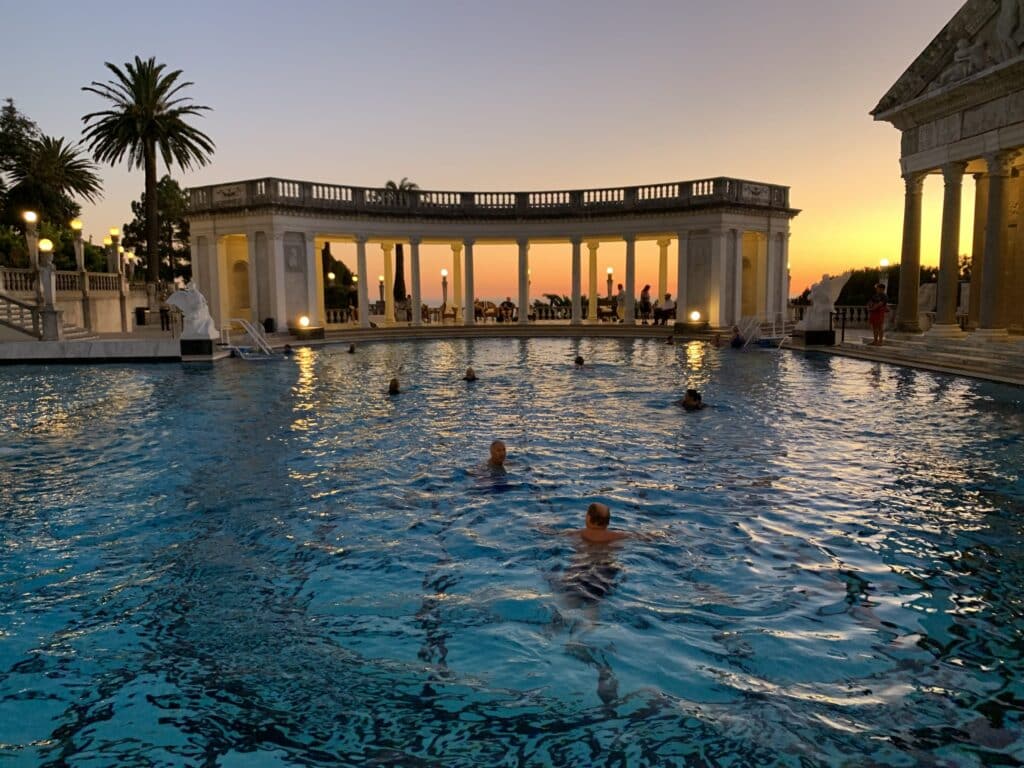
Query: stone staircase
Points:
[998, 360]
[20, 316]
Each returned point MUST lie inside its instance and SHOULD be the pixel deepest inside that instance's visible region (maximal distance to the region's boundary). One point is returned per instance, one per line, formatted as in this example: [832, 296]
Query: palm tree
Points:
[398, 194]
[47, 176]
[148, 114]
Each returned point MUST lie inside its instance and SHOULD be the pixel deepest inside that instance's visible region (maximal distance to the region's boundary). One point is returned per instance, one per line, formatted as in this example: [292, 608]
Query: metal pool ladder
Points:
[262, 351]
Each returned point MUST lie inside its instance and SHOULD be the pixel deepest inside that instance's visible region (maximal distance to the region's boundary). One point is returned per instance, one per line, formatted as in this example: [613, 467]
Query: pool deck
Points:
[1001, 361]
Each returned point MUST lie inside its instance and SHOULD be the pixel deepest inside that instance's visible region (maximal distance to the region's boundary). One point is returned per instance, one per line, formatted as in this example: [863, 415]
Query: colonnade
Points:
[725, 296]
[997, 260]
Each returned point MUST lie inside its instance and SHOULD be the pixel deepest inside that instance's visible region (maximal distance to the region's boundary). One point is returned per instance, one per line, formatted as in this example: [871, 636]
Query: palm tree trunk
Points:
[152, 224]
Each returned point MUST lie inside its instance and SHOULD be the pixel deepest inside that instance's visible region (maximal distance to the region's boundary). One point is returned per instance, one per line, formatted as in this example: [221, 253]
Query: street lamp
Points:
[107, 243]
[44, 287]
[444, 287]
[884, 273]
[76, 227]
[115, 238]
[31, 238]
[380, 281]
[330, 277]
[695, 316]
[610, 272]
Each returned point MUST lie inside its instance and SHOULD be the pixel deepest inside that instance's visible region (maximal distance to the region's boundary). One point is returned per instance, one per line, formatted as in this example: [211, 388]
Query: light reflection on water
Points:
[200, 563]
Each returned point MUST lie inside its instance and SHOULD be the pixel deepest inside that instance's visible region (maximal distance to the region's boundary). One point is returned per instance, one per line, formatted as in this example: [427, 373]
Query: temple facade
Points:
[256, 244]
[960, 108]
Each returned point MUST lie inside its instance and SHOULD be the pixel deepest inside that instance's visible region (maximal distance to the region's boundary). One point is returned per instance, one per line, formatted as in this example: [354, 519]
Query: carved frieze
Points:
[982, 35]
[755, 193]
[229, 194]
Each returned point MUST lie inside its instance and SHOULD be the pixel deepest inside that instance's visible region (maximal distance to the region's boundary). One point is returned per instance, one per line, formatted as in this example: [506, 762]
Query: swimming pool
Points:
[276, 564]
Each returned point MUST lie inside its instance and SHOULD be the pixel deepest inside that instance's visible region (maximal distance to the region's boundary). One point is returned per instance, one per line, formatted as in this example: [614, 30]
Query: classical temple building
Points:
[960, 108]
[256, 244]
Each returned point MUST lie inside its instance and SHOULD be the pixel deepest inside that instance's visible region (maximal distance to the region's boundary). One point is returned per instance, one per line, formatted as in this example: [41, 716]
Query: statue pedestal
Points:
[196, 347]
[817, 338]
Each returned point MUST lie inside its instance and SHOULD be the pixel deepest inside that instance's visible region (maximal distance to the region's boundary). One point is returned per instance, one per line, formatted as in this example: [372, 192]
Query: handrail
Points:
[13, 314]
[252, 330]
[666, 196]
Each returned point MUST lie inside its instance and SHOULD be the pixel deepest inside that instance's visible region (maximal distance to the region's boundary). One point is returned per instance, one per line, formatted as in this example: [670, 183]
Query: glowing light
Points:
[304, 321]
[444, 273]
[330, 275]
[76, 225]
[115, 232]
[380, 278]
[883, 263]
[611, 271]
[30, 217]
[694, 316]
[45, 245]
[355, 278]
[107, 240]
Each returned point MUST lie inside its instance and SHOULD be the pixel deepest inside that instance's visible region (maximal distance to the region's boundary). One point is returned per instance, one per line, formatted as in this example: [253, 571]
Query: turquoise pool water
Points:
[275, 564]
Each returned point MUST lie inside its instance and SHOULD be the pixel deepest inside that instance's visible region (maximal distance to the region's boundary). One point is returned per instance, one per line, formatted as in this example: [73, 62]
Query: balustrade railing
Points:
[100, 281]
[676, 195]
[17, 280]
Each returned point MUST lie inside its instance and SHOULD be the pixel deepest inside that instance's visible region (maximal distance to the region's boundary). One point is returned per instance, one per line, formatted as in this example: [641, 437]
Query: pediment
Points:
[983, 34]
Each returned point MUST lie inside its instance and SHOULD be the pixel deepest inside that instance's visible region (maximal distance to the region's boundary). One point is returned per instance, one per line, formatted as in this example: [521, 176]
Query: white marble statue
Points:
[823, 301]
[192, 303]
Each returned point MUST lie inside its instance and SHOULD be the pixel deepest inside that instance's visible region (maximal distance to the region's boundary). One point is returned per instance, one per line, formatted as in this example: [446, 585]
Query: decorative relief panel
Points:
[229, 193]
[755, 193]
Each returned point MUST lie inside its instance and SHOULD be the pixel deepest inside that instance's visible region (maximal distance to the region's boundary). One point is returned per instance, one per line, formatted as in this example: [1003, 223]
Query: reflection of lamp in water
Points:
[610, 272]
[444, 286]
[883, 275]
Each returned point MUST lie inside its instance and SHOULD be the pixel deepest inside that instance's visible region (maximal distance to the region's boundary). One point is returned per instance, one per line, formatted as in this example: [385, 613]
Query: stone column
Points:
[577, 302]
[314, 296]
[457, 279]
[470, 310]
[784, 275]
[682, 286]
[592, 246]
[524, 281]
[630, 316]
[910, 258]
[977, 248]
[737, 284]
[949, 252]
[717, 284]
[386, 248]
[278, 295]
[414, 276]
[255, 310]
[991, 313]
[362, 289]
[663, 267]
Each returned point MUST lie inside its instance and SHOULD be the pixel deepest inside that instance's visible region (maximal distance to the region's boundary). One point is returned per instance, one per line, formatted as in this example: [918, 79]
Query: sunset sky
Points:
[510, 96]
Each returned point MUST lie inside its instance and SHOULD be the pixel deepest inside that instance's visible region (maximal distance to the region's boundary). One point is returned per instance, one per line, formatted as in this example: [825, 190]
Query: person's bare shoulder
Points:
[602, 537]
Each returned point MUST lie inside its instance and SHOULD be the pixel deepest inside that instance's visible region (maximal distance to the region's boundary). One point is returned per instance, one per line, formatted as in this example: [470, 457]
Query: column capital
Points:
[468, 241]
[593, 245]
[575, 239]
[387, 246]
[629, 237]
[663, 242]
[414, 241]
[914, 182]
[360, 239]
[953, 173]
[1000, 163]
[456, 247]
[523, 242]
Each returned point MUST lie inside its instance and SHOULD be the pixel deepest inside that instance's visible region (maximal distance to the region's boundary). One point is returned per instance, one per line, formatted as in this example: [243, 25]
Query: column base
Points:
[945, 331]
[908, 326]
[986, 335]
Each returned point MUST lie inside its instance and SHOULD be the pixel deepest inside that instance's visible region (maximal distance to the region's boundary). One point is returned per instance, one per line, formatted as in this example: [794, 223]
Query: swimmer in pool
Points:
[498, 453]
[393, 388]
[470, 374]
[597, 530]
